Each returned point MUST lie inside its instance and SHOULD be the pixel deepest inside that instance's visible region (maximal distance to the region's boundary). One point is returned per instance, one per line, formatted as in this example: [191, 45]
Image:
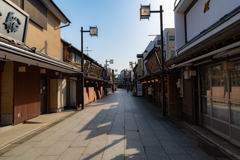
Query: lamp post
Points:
[93, 32]
[145, 14]
[111, 62]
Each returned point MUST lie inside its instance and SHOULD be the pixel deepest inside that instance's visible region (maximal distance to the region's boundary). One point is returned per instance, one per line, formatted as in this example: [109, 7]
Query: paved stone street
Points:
[119, 127]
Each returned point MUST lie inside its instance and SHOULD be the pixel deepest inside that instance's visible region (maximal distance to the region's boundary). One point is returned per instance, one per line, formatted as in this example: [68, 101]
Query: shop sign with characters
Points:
[13, 22]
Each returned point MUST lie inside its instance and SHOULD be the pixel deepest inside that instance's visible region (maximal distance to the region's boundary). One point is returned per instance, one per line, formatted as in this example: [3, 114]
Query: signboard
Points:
[139, 88]
[94, 71]
[153, 64]
[13, 21]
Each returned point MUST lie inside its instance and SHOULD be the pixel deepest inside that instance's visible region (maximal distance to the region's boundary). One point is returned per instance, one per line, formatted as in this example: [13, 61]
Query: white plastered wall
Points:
[197, 20]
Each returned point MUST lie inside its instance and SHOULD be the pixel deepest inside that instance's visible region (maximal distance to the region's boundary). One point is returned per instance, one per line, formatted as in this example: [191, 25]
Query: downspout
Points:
[63, 26]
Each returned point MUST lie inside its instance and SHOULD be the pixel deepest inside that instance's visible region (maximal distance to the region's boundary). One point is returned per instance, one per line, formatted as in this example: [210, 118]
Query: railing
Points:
[176, 3]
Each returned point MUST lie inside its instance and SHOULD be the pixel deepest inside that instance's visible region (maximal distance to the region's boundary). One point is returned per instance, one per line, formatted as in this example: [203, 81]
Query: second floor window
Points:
[172, 53]
[171, 38]
[78, 59]
[73, 57]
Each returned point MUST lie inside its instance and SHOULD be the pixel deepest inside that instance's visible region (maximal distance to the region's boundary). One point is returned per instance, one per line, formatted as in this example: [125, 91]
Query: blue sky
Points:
[121, 34]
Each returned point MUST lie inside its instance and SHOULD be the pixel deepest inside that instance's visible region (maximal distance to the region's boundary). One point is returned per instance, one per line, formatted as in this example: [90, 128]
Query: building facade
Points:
[31, 61]
[169, 42]
[207, 61]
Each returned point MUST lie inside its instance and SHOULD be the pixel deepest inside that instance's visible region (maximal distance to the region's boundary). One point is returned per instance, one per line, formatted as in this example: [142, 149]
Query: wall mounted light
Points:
[148, 81]
[22, 69]
[87, 81]
[96, 82]
[228, 65]
[56, 73]
[192, 73]
[152, 80]
[156, 80]
[43, 71]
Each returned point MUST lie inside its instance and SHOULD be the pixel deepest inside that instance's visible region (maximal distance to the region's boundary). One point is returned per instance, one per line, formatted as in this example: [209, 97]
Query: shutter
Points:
[19, 3]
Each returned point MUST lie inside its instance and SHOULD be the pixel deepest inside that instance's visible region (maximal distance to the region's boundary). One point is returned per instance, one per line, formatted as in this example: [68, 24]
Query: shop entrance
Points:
[43, 92]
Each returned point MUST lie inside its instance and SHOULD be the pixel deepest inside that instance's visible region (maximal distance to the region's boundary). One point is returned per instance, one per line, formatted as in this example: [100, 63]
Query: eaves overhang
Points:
[14, 53]
[56, 10]
[196, 46]
[181, 5]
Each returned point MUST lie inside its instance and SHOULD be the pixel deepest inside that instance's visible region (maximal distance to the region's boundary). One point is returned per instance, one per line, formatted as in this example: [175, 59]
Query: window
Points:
[78, 59]
[73, 57]
[158, 42]
[172, 53]
[171, 38]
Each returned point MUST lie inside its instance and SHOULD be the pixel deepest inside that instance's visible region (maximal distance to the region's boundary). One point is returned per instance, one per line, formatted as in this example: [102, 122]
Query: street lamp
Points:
[111, 62]
[145, 14]
[93, 32]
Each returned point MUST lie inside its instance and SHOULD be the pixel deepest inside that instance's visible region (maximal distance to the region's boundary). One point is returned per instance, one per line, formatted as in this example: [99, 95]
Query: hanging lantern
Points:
[152, 80]
[87, 81]
[148, 81]
[156, 80]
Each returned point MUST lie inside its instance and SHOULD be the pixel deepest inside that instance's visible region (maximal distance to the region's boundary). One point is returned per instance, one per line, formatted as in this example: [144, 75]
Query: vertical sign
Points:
[139, 88]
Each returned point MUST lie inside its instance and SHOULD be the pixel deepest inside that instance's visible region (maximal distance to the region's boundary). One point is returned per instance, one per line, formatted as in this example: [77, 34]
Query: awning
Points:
[143, 78]
[218, 51]
[11, 52]
[95, 79]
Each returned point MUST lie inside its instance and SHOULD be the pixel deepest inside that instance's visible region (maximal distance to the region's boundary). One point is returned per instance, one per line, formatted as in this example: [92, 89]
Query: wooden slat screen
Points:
[37, 12]
[173, 101]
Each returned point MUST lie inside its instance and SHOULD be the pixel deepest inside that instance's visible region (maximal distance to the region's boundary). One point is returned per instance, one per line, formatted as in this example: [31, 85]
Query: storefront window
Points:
[206, 105]
[205, 81]
[235, 82]
[219, 82]
[235, 94]
[235, 113]
[219, 89]
[220, 110]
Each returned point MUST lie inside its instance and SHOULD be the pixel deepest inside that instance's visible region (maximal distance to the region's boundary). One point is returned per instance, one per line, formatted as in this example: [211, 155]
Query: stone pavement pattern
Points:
[117, 127]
